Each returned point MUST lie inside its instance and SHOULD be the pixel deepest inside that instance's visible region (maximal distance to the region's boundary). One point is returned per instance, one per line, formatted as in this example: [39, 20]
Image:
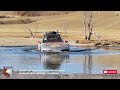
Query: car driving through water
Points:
[52, 42]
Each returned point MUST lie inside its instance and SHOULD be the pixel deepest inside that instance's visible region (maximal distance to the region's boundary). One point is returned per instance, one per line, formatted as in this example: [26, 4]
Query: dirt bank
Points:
[8, 41]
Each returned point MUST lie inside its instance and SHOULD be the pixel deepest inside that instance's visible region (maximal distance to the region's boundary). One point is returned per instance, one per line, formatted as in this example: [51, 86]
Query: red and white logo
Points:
[110, 72]
[7, 71]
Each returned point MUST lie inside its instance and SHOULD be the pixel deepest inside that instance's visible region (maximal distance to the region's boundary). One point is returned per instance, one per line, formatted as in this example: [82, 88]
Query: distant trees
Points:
[39, 13]
[17, 21]
[27, 13]
[88, 24]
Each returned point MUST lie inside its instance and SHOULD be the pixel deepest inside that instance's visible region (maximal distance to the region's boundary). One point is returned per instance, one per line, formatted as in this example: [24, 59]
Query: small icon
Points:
[109, 71]
[8, 71]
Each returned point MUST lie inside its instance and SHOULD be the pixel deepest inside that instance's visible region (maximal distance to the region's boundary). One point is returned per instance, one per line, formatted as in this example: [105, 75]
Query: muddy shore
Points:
[19, 42]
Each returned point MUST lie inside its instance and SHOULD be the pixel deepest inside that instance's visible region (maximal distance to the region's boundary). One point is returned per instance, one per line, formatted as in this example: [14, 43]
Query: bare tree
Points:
[65, 27]
[90, 26]
[85, 16]
[31, 33]
[88, 23]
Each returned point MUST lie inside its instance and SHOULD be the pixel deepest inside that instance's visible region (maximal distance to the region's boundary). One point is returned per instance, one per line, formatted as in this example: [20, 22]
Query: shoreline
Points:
[17, 46]
[21, 42]
[71, 44]
[76, 45]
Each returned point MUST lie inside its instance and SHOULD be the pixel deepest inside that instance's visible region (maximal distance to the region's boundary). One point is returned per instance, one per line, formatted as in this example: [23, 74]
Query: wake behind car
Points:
[52, 41]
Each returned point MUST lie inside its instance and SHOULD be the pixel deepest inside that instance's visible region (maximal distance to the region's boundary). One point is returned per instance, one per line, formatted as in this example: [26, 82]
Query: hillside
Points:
[106, 24]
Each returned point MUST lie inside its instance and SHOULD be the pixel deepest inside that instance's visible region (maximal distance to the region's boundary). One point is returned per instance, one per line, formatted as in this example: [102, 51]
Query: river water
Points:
[84, 60]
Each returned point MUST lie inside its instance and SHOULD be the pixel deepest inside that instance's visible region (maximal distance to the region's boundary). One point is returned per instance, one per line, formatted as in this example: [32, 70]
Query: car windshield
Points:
[52, 38]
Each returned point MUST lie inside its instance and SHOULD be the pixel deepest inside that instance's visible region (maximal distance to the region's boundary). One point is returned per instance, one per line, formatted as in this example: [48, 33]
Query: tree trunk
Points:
[85, 16]
[90, 26]
[89, 37]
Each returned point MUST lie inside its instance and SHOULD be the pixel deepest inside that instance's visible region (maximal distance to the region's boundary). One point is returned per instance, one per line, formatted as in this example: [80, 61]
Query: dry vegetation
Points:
[19, 21]
[39, 13]
[70, 26]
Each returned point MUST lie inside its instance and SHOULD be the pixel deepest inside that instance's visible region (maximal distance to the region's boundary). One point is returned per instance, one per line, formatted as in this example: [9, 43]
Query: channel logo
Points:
[110, 72]
[8, 71]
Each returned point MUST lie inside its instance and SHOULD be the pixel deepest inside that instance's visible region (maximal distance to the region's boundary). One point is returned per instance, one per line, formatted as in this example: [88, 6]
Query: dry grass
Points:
[106, 24]
[8, 41]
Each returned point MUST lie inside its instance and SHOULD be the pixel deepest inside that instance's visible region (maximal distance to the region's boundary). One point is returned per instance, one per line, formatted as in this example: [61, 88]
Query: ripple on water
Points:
[84, 60]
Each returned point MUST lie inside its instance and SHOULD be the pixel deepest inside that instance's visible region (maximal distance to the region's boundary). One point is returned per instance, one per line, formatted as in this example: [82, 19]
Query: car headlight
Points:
[67, 45]
[58, 45]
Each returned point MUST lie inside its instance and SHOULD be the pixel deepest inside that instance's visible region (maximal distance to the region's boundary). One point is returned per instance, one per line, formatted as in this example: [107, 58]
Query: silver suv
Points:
[52, 41]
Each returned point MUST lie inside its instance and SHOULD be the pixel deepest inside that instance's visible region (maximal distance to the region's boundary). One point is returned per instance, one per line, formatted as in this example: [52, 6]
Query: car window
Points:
[52, 38]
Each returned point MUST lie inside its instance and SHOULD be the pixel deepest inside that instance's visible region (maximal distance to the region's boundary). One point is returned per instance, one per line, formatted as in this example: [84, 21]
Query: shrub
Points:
[19, 21]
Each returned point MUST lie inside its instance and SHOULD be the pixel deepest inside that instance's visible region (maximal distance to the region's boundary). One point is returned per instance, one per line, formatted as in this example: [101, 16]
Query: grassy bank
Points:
[69, 25]
[4, 41]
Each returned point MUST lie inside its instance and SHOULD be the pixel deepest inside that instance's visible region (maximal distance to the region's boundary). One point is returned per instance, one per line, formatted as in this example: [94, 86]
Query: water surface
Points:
[79, 60]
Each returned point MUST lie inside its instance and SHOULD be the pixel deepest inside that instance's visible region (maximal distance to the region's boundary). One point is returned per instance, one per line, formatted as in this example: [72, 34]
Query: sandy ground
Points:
[17, 75]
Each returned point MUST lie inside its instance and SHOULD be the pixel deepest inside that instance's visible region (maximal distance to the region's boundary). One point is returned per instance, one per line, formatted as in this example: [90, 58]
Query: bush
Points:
[39, 13]
[4, 17]
[19, 21]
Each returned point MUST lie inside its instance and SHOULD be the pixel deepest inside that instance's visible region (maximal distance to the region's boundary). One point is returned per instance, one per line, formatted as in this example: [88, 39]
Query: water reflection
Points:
[81, 60]
[88, 63]
[112, 48]
[53, 60]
